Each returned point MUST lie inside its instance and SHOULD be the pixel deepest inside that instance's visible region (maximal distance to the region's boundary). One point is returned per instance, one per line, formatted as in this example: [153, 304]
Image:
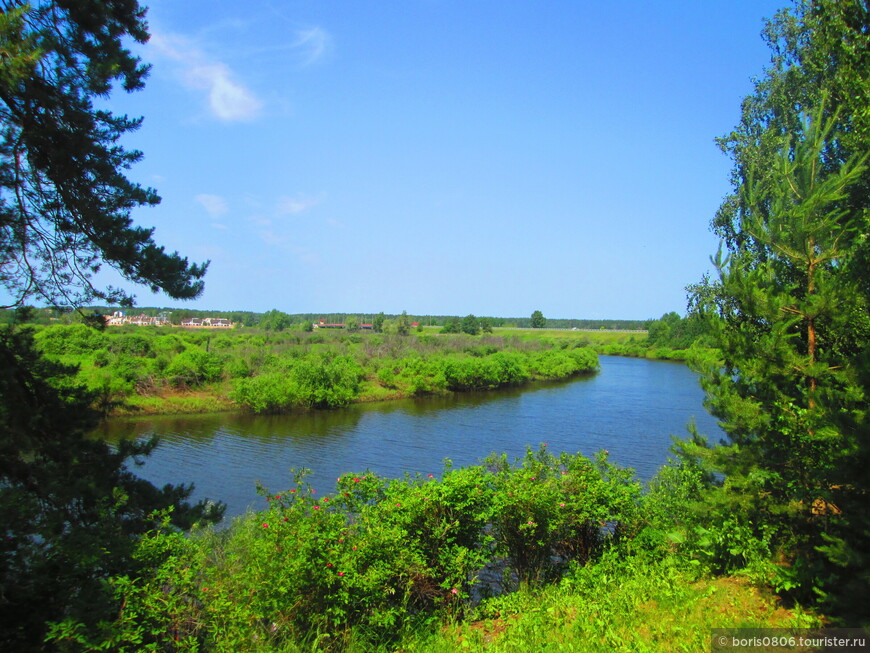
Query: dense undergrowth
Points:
[140, 369]
[546, 552]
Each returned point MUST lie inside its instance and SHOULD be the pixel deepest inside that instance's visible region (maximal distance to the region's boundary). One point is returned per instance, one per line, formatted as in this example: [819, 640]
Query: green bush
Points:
[71, 339]
[368, 562]
[194, 367]
[313, 382]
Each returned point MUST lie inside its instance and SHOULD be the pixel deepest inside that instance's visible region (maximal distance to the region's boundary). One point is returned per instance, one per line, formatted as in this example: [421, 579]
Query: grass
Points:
[615, 606]
[592, 338]
[174, 402]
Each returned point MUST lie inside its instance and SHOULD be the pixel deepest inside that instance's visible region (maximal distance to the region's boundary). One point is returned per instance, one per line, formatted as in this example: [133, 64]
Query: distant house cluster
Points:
[207, 323]
[120, 318]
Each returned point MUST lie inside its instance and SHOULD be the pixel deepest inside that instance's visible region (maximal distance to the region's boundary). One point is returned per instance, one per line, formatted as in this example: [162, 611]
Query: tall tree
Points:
[470, 325]
[790, 308]
[538, 320]
[65, 202]
[403, 324]
[70, 509]
[378, 322]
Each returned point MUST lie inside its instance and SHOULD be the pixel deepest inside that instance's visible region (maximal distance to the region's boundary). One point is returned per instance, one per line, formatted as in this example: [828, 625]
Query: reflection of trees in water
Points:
[300, 424]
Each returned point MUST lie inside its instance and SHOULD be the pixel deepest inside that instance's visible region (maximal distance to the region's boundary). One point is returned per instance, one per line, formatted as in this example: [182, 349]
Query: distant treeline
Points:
[254, 319]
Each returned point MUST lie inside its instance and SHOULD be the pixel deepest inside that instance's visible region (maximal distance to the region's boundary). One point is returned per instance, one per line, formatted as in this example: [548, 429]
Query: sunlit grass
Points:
[628, 605]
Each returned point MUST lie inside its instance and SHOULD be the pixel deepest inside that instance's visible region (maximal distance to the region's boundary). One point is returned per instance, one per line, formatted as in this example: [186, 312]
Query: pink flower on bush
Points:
[317, 507]
[454, 591]
[341, 573]
[329, 564]
[356, 480]
[561, 505]
[430, 476]
[265, 525]
[326, 498]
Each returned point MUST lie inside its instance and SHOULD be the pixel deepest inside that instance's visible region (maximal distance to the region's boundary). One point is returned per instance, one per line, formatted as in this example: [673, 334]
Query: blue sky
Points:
[442, 156]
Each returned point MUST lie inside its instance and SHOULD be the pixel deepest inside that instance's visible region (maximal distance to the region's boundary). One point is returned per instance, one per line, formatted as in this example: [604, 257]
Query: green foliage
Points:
[75, 339]
[311, 382]
[365, 563]
[193, 367]
[538, 320]
[70, 510]
[378, 322]
[68, 158]
[274, 320]
[674, 332]
[550, 511]
[403, 324]
[790, 309]
[470, 325]
[453, 325]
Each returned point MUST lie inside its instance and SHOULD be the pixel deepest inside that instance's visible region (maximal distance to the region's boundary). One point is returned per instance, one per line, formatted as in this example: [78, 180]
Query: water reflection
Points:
[630, 408]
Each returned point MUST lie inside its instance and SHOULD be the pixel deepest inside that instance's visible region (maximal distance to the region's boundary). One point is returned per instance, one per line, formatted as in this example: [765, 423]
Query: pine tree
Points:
[70, 509]
[64, 201]
[790, 308]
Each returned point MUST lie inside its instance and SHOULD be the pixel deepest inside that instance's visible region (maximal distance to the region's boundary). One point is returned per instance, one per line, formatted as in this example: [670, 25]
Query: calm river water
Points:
[631, 408]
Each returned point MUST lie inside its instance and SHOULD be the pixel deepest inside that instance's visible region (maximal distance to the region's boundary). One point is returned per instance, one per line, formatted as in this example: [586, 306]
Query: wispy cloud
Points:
[312, 44]
[214, 205]
[292, 205]
[275, 230]
[228, 99]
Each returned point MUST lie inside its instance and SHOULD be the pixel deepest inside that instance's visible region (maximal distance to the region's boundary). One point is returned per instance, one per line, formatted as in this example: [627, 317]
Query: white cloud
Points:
[215, 205]
[228, 99]
[313, 44]
[292, 205]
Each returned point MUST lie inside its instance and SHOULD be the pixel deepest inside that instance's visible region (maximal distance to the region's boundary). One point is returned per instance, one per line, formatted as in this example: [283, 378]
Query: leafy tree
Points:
[790, 307]
[403, 324]
[470, 325]
[485, 325]
[538, 320]
[275, 320]
[351, 323]
[453, 325]
[677, 332]
[64, 202]
[378, 322]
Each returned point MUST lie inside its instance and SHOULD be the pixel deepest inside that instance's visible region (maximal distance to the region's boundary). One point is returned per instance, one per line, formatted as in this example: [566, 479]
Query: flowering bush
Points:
[372, 558]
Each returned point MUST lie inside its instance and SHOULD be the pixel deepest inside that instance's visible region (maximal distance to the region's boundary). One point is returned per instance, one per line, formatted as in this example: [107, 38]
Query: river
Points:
[631, 408]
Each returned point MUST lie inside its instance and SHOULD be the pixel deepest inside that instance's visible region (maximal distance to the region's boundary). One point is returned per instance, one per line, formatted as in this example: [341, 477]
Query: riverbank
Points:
[387, 565]
[149, 371]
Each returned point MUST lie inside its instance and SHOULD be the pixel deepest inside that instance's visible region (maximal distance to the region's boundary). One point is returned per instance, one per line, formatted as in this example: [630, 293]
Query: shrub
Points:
[193, 367]
[72, 339]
